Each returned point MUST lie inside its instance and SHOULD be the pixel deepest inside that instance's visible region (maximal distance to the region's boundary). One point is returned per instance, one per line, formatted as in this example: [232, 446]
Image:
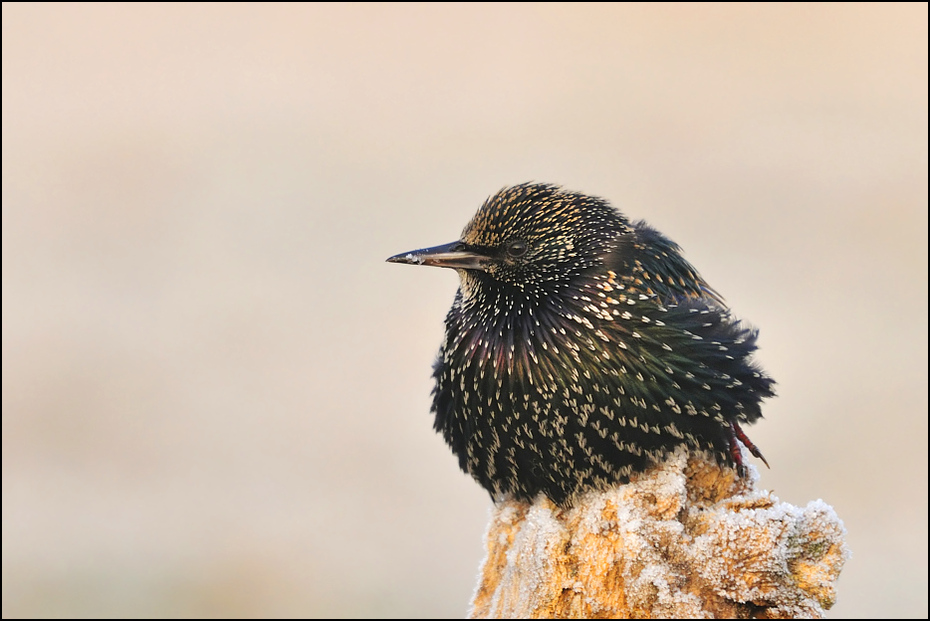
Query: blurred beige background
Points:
[215, 391]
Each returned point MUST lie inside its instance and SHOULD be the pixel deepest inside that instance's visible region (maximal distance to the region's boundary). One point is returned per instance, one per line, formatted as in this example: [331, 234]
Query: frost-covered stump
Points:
[684, 539]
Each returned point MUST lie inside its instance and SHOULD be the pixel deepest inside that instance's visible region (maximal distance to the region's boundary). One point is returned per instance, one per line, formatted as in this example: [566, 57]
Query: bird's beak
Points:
[455, 255]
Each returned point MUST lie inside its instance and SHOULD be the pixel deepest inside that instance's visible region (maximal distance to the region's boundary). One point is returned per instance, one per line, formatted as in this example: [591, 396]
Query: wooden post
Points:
[685, 539]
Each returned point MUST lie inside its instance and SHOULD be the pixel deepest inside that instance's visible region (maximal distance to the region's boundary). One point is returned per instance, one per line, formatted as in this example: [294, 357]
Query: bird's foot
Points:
[736, 436]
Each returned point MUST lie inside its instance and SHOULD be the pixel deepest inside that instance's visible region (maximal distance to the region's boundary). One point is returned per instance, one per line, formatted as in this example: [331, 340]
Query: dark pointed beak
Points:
[455, 255]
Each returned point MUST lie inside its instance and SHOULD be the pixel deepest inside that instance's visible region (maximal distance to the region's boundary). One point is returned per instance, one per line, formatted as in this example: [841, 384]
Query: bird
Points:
[581, 348]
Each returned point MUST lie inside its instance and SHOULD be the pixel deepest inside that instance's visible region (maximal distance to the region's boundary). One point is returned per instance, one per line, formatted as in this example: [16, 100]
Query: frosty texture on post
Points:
[687, 538]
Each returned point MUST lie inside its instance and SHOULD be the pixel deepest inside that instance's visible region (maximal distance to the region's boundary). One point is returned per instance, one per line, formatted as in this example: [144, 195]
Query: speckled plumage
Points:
[581, 347]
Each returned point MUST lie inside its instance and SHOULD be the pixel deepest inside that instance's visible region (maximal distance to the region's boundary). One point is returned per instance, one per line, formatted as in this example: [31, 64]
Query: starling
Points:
[581, 348]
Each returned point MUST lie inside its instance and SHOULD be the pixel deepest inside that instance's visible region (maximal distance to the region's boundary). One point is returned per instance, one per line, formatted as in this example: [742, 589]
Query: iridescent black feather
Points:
[580, 348]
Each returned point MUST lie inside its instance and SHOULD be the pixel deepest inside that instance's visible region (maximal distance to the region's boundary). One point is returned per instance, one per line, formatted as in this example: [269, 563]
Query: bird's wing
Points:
[658, 263]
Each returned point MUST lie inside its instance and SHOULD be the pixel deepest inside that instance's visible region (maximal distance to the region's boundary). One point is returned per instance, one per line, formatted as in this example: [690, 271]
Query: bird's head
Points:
[528, 235]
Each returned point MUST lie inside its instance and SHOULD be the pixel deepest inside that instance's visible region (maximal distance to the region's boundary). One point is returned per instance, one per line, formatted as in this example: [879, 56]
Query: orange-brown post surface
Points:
[685, 539]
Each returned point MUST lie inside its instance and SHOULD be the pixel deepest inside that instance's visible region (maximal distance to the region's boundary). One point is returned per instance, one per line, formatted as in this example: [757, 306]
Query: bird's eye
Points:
[516, 248]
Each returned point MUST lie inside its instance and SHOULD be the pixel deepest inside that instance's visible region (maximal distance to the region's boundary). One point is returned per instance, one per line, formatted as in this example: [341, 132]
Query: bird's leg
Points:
[736, 434]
